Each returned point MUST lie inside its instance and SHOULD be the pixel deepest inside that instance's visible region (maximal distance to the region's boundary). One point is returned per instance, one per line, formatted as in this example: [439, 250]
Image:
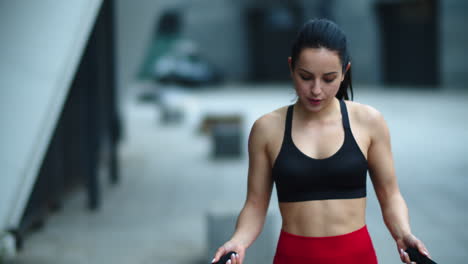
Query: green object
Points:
[159, 46]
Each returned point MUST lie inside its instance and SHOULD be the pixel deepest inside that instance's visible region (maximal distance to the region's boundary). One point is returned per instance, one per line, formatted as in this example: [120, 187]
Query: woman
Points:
[317, 152]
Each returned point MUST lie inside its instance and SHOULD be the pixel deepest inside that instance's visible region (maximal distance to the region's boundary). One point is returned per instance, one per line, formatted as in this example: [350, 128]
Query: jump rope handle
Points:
[225, 258]
[417, 257]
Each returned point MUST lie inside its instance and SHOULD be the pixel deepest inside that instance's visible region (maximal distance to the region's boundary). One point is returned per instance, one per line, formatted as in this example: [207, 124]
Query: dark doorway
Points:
[409, 37]
[271, 31]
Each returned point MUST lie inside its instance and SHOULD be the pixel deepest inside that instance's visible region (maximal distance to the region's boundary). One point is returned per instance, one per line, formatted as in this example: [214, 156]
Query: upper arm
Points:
[380, 158]
[260, 182]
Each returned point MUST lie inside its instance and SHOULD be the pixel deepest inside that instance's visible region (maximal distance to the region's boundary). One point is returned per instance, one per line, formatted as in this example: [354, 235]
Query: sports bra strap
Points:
[344, 114]
[287, 129]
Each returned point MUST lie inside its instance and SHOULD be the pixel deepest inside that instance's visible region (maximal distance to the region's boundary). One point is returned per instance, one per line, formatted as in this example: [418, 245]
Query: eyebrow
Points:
[328, 73]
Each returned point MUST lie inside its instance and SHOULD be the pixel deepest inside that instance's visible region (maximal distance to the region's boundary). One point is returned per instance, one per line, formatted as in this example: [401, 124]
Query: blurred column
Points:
[271, 30]
[409, 35]
[453, 43]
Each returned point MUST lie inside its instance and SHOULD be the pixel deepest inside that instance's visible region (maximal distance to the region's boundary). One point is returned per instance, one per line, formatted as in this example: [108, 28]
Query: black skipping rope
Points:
[225, 258]
[417, 257]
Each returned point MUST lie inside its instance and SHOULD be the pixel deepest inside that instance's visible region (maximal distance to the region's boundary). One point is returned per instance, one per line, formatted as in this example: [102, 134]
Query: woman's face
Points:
[317, 76]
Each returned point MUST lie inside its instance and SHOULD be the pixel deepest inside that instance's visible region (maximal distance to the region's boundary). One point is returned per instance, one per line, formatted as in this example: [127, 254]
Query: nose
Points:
[316, 88]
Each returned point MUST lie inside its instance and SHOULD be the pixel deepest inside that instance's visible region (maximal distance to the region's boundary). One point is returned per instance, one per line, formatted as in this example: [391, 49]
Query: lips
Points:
[314, 101]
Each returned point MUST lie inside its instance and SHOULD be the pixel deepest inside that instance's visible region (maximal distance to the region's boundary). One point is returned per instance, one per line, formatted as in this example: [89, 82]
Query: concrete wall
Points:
[357, 20]
[454, 43]
[220, 34]
[42, 43]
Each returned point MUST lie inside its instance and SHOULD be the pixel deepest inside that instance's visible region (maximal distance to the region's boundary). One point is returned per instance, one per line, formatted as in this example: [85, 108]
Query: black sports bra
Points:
[299, 177]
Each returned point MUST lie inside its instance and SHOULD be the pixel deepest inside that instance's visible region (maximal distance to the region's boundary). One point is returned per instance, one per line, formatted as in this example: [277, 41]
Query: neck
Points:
[324, 114]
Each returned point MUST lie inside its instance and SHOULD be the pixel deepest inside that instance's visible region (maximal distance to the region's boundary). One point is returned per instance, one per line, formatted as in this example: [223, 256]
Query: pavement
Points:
[170, 182]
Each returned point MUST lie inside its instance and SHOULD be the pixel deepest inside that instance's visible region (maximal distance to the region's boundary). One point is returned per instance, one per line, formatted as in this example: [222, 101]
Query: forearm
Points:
[249, 223]
[395, 214]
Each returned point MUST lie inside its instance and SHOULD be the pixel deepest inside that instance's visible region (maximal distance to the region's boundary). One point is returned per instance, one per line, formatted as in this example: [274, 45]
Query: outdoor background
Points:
[187, 79]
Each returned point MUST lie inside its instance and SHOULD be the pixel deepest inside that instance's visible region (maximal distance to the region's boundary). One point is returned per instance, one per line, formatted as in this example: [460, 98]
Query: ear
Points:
[290, 65]
[348, 66]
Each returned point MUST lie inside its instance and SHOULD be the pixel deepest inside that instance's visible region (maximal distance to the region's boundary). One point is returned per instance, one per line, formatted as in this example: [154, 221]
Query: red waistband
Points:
[343, 236]
[324, 247]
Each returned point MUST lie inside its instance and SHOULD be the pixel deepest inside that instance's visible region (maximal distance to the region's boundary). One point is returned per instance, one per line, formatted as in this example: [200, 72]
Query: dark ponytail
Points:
[324, 33]
[345, 84]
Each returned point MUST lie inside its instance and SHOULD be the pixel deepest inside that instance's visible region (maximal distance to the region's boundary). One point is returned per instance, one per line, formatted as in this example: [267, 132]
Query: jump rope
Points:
[413, 253]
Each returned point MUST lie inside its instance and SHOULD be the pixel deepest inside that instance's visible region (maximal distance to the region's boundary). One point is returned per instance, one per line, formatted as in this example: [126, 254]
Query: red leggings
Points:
[352, 248]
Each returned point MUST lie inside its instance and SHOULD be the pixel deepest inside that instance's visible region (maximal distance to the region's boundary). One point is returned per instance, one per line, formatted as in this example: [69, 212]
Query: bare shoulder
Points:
[365, 114]
[368, 117]
[268, 126]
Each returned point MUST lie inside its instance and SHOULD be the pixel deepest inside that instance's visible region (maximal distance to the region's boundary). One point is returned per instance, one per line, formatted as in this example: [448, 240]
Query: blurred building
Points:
[393, 42]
